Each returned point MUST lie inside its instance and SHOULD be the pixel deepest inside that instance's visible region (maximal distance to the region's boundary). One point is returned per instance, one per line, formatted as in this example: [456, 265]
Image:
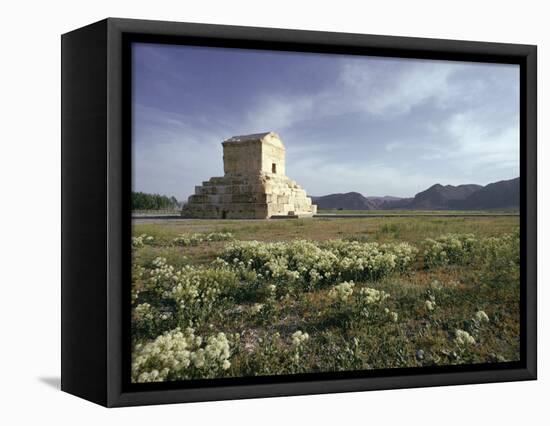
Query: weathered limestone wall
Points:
[273, 153]
[254, 185]
[242, 158]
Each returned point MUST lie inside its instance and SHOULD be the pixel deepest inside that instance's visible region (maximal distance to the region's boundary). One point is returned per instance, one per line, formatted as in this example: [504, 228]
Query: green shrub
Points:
[449, 249]
[195, 239]
[190, 295]
[179, 355]
[307, 264]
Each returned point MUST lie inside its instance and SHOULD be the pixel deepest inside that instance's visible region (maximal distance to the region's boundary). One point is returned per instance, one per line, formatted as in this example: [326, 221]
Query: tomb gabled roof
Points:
[269, 137]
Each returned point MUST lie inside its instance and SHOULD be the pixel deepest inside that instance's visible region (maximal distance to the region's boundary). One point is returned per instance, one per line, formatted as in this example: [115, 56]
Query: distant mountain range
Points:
[499, 195]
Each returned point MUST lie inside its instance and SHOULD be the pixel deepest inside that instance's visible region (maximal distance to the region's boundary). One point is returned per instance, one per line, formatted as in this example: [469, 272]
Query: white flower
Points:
[341, 292]
[313, 263]
[256, 308]
[171, 355]
[464, 338]
[198, 358]
[299, 337]
[429, 305]
[436, 285]
[140, 241]
[481, 317]
[195, 239]
[371, 295]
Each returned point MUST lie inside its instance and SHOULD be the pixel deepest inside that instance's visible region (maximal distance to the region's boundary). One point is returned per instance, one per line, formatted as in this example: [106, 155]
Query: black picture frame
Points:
[96, 216]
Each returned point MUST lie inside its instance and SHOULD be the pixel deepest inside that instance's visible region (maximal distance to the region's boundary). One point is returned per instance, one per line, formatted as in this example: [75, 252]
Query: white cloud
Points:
[277, 113]
[386, 88]
[392, 146]
[173, 153]
[483, 146]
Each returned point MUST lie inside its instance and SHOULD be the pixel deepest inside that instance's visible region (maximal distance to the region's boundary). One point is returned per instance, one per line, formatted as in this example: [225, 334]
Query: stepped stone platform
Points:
[254, 185]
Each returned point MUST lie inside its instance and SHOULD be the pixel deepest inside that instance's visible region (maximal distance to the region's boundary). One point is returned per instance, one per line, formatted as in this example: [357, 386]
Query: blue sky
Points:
[377, 126]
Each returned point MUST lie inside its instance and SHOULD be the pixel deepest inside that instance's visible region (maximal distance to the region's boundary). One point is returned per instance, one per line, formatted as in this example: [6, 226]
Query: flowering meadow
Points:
[214, 299]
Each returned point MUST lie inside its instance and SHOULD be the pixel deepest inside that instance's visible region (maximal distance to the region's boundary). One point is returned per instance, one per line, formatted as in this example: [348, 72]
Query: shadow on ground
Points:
[54, 382]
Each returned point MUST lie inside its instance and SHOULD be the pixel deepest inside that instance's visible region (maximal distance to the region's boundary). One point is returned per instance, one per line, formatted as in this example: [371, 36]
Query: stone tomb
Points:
[254, 185]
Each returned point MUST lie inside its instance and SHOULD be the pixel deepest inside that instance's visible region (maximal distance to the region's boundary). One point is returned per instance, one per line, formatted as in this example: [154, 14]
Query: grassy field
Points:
[221, 298]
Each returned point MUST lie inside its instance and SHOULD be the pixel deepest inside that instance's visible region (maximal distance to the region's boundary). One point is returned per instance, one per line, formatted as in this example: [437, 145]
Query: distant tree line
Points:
[143, 201]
